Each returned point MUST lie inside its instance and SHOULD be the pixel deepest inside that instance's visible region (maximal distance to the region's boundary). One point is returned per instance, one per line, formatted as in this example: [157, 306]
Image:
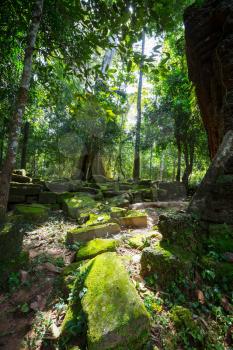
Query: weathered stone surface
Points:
[182, 229]
[122, 200]
[100, 179]
[16, 198]
[95, 247]
[21, 172]
[85, 234]
[209, 44]
[117, 212]
[170, 191]
[11, 240]
[213, 200]
[47, 198]
[141, 240]
[73, 206]
[95, 219]
[17, 189]
[137, 221]
[20, 178]
[32, 212]
[59, 186]
[166, 263]
[115, 315]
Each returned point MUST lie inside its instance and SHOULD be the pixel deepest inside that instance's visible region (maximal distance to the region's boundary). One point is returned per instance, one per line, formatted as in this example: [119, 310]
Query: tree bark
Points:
[16, 120]
[25, 145]
[178, 174]
[136, 167]
[188, 157]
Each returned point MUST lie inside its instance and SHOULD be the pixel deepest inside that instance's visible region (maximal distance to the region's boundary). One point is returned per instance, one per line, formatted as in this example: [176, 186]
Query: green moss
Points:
[166, 262]
[95, 219]
[223, 271]
[182, 317]
[133, 213]
[141, 240]
[73, 206]
[115, 315]
[117, 212]
[95, 247]
[85, 234]
[61, 197]
[32, 212]
[183, 230]
[69, 275]
[11, 239]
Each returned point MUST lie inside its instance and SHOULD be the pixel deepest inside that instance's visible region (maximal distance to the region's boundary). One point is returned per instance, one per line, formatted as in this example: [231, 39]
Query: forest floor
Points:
[33, 308]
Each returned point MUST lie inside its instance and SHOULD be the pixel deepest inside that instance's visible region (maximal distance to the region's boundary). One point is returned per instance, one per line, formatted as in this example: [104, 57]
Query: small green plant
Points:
[24, 308]
[14, 281]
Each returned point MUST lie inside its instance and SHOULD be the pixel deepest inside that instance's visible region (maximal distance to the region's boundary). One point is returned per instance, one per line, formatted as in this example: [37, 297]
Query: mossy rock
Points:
[69, 275]
[96, 247]
[117, 212]
[166, 262]
[47, 198]
[141, 240]
[134, 219]
[95, 219]
[73, 206]
[122, 200]
[106, 300]
[183, 230]
[223, 271]
[11, 240]
[61, 197]
[32, 212]
[88, 233]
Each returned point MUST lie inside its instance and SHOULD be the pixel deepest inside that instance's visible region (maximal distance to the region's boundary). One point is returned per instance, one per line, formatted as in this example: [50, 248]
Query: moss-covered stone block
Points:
[61, 197]
[47, 198]
[29, 189]
[105, 298]
[141, 240]
[32, 212]
[69, 275]
[96, 247]
[183, 230]
[117, 212]
[11, 239]
[122, 200]
[85, 234]
[73, 206]
[167, 263]
[95, 219]
[134, 219]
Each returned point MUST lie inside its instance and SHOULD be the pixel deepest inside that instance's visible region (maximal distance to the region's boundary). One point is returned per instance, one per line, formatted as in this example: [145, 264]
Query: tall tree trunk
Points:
[16, 120]
[189, 157]
[178, 174]
[25, 145]
[161, 167]
[151, 157]
[136, 167]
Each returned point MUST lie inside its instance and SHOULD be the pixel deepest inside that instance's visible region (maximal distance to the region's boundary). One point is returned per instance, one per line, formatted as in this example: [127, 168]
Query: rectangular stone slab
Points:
[115, 315]
[134, 221]
[29, 189]
[85, 234]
